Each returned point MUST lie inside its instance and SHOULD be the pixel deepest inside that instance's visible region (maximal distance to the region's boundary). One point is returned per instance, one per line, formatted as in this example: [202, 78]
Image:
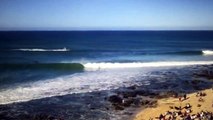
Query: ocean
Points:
[37, 65]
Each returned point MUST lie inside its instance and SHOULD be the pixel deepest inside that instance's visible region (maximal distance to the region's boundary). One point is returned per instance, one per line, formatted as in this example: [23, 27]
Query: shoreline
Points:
[198, 104]
[123, 103]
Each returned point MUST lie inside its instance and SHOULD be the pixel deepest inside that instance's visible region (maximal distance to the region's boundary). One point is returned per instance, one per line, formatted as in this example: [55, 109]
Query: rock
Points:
[149, 103]
[152, 103]
[152, 94]
[106, 108]
[127, 102]
[205, 73]
[146, 93]
[92, 108]
[186, 82]
[167, 94]
[43, 117]
[195, 82]
[132, 87]
[137, 101]
[127, 94]
[196, 87]
[145, 102]
[198, 105]
[172, 94]
[128, 113]
[115, 99]
[142, 92]
[118, 107]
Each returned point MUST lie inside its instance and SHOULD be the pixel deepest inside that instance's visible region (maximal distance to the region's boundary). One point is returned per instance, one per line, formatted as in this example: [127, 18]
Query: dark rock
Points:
[198, 105]
[172, 94]
[205, 73]
[186, 82]
[146, 93]
[127, 94]
[196, 87]
[152, 94]
[92, 108]
[167, 94]
[137, 101]
[128, 113]
[145, 102]
[128, 102]
[115, 99]
[195, 82]
[42, 117]
[142, 92]
[149, 103]
[152, 103]
[118, 107]
[132, 87]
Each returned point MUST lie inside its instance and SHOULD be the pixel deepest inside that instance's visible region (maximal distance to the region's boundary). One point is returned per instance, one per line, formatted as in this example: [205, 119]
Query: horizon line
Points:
[111, 30]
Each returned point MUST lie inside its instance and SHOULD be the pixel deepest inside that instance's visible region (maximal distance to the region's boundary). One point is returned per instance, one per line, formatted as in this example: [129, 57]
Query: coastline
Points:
[198, 102]
[117, 104]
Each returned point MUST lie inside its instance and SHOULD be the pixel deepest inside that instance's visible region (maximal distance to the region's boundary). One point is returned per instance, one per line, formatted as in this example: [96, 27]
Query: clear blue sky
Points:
[106, 14]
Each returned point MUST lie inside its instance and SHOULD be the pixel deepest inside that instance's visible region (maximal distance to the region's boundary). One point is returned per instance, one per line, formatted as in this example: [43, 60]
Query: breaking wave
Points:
[207, 52]
[101, 65]
[146, 64]
[87, 81]
[41, 50]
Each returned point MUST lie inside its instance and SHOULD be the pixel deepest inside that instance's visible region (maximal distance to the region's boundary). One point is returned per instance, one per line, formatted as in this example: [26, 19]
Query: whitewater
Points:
[97, 77]
[42, 50]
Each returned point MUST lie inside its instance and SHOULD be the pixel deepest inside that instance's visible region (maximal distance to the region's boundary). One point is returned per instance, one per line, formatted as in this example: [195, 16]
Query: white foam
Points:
[95, 66]
[76, 83]
[40, 50]
[207, 52]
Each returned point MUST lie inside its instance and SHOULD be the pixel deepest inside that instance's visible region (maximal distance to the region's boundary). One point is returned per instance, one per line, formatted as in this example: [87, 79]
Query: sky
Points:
[106, 14]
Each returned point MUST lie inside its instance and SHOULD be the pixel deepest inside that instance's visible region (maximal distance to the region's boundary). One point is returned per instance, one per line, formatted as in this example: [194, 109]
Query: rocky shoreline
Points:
[138, 96]
[121, 103]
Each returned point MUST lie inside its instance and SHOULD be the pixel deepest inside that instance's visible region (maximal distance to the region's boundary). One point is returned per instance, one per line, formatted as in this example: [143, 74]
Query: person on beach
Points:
[198, 94]
[161, 117]
[180, 99]
[201, 99]
[184, 96]
[187, 106]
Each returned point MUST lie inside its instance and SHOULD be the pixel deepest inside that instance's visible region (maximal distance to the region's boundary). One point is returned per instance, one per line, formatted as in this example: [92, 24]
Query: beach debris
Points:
[171, 107]
[198, 105]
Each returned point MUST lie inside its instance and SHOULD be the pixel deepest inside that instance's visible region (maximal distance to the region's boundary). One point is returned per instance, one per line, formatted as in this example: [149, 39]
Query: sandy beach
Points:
[198, 103]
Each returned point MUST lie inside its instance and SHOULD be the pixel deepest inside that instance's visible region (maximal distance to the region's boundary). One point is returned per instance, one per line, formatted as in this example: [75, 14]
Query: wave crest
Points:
[207, 52]
[42, 50]
[140, 64]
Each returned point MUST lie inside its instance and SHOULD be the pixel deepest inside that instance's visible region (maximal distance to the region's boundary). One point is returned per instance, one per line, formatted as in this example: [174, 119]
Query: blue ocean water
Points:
[103, 46]
[38, 64]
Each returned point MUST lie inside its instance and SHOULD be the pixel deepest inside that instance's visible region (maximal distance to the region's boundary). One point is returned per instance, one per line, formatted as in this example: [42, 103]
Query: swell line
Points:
[140, 64]
[41, 50]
